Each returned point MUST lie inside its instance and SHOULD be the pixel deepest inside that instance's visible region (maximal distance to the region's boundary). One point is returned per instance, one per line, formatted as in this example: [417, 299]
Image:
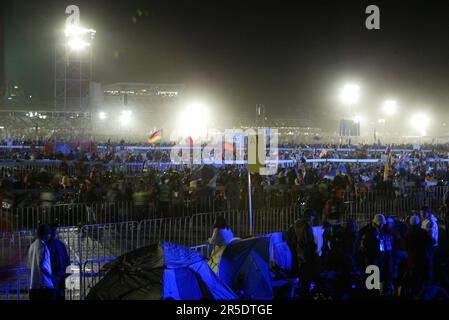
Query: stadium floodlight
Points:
[102, 115]
[350, 94]
[194, 120]
[77, 44]
[77, 37]
[125, 117]
[420, 121]
[74, 30]
[390, 107]
[358, 119]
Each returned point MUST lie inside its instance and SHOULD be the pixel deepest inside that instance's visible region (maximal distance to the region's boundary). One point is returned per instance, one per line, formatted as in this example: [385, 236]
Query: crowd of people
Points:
[411, 253]
[411, 256]
[22, 148]
[165, 187]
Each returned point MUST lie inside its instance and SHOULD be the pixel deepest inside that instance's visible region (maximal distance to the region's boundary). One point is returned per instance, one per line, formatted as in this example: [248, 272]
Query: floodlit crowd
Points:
[164, 187]
[411, 252]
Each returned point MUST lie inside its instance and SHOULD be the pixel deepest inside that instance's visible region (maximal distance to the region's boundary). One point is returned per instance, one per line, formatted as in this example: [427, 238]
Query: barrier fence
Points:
[394, 202]
[67, 215]
[91, 246]
[23, 167]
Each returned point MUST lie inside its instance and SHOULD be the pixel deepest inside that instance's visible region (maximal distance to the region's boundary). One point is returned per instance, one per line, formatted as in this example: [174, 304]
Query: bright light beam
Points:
[358, 119]
[350, 94]
[125, 117]
[420, 122]
[102, 115]
[390, 107]
[76, 37]
[193, 121]
[78, 44]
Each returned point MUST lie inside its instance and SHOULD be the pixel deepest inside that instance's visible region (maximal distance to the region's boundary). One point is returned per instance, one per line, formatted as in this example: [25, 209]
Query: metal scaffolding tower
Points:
[73, 75]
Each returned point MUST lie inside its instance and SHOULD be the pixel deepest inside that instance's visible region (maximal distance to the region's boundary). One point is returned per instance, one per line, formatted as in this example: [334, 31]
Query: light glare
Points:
[350, 94]
[420, 122]
[77, 44]
[125, 117]
[390, 107]
[76, 34]
[193, 121]
[358, 119]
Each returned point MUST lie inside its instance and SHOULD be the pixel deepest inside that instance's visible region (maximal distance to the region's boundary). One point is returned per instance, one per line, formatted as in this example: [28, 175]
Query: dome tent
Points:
[244, 265]
[160, 271]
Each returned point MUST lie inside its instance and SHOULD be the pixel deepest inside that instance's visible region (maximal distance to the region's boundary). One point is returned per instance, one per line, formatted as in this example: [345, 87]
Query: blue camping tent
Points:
[244, 266]
[160, 271]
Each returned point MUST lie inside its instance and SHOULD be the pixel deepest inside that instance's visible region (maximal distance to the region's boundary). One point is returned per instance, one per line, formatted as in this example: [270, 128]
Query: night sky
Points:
[290, 55]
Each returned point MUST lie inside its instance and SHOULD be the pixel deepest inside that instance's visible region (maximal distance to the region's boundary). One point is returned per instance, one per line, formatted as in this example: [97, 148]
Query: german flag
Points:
[155, 137]
[228, 147]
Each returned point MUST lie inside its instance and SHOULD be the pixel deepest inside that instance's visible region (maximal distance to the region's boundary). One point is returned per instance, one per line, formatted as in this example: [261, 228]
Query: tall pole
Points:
[250, 205]
[2, 56]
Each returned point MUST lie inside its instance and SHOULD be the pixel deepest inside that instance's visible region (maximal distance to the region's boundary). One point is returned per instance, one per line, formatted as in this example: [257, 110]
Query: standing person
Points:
[373, 248]
[41, 282]
[60, 260]
[389, 272]
[430, 224]
[418, 245]
[164, 194]
[373, 241]
[302, 244]
[231, 192]
[222, 233]
[222, 236]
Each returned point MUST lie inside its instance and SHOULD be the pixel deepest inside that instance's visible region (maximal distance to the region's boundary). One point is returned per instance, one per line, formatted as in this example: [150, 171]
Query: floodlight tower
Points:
[73, 68]
[2, 58]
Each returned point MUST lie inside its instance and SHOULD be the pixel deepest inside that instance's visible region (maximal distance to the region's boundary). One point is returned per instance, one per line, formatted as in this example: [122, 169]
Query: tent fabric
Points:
[176, 256]
[120, 284]
[218, 290]
[189, 285]
[244, 266]
[160, 271]
[170, 289]
[280, 254]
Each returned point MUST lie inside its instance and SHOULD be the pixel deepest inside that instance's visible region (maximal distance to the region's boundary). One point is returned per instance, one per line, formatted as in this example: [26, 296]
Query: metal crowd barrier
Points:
[24, 167]
[394, 203]
[91, 246]
[68, 215]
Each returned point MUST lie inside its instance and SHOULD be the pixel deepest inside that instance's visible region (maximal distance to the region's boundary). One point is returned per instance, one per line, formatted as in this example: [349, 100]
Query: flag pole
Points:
[250, 204]
[160, 150]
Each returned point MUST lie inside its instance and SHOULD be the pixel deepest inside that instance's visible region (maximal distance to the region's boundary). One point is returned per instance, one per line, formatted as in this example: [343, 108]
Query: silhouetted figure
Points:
[60, 260]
